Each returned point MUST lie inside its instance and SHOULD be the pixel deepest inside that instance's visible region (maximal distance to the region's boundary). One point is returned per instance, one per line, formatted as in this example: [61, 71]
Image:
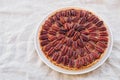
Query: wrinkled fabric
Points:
[18, 22]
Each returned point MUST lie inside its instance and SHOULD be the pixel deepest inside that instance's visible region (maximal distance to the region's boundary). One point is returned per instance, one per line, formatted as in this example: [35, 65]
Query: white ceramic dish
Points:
[62, 70]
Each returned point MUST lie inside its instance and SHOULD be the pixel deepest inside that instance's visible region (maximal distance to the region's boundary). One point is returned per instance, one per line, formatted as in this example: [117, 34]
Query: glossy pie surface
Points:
[73, 38]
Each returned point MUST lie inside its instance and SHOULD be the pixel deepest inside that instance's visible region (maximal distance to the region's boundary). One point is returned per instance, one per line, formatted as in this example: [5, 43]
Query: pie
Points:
[73, 39]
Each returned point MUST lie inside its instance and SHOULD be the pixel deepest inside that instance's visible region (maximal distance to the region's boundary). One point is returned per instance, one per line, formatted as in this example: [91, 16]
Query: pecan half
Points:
[43, 37]
[100, 23]
[44, 42]
[55, 56]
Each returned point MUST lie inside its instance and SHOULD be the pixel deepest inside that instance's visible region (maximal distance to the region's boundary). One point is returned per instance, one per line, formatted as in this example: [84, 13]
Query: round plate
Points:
[62, 70]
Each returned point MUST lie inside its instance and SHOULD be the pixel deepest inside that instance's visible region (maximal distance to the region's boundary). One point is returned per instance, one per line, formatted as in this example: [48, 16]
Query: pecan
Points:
[93, 39]
[51, 20]
[75, 45]
[69, 19]
[103, 39]
[51, 51]
[103, 34]
[102, 28]
[52, 32]
[59, 23]
[58, 16]
[101, 44]
[64, 50]
[55, 42]
[95, 55]
[88, 25]
[80, 43]
[65, 60]
[43, 32]
[62, 31]
[43, 37]
[48, 23]
[83, 20]
[76, 36]
[63, 13]
[86, 32]
[75, 55]
[82, 61]
[70, 53]
[85, 37]
[63, 41]
[45, 27]
[81, 51]
[91, 29]
[55, 28]
[47, 47]
[44, 42]
[87, 50]
[91, 58]
[95, 20]
[55, 57]
[62, 20]
[79, 28]
[67, 26]
[59, 59]
[52, 38]
[73, 12]
[100, 23]
[93, 34]
[91, 18]
[81, 13]
[85, 61]
[69, 42]
[78, 63]
[60, 36]
[99, 49]
[91, 44]
[71, 63]
[58, 46]
[70, 33]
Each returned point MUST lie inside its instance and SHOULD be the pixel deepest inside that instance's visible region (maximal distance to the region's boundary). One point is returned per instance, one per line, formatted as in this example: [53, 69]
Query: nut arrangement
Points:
[73, 38]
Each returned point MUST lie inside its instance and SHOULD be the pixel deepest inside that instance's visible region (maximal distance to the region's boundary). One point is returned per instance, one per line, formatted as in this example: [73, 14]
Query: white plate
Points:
[59, 69]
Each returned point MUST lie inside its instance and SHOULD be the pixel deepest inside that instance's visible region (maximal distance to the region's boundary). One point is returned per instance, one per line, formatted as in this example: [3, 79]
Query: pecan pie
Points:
[73, 38]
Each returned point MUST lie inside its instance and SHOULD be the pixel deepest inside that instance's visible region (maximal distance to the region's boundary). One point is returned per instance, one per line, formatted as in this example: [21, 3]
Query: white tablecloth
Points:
[18, 22]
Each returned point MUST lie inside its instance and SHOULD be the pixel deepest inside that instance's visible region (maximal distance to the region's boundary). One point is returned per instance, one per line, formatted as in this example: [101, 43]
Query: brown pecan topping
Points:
[80, 43]
[101, 44]
[43, 37]
[103, 34]
[55, 56]
[76, 36]
[51, 51]
[103, 39]
[91, 29]
[85, 37]
[70, 33]
[59, 59]
[99, 49]
[65, 60]
[102, 28]
[69, 42]
[55, 28]
[44, 42]
[43, 32]
[100, 23]
[64, 50]
[71, 63]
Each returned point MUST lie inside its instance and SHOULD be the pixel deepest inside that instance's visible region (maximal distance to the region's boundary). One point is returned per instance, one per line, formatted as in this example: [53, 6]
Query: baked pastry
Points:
[73, 38]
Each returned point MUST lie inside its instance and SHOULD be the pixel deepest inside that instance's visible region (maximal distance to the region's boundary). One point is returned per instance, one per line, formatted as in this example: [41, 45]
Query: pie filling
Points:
[73, 38]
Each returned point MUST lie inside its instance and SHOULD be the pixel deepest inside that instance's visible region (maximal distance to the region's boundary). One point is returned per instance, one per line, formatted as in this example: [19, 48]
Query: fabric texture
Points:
[18, 22]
